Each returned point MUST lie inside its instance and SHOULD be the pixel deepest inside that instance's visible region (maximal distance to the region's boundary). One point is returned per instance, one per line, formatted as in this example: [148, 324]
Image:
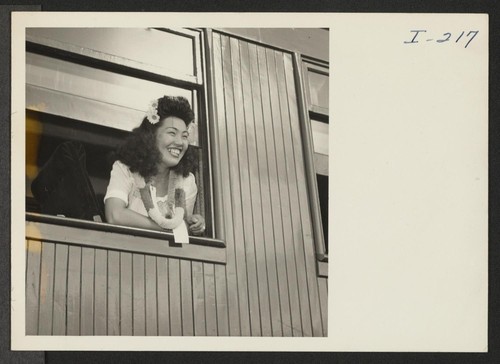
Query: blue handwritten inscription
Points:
[420, 35]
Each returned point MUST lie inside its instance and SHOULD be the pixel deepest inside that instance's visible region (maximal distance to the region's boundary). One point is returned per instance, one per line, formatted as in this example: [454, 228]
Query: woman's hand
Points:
[196, 224]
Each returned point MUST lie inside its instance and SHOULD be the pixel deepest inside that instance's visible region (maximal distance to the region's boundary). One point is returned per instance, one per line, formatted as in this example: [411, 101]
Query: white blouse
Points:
[125, 185]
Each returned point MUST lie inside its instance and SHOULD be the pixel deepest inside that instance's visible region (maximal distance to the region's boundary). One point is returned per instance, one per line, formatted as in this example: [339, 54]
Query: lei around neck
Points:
[176, 202]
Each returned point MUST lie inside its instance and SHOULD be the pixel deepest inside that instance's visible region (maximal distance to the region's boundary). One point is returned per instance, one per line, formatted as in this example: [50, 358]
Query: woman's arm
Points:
[196, 223]
[120, 185]
[117, 213]
[191, 191]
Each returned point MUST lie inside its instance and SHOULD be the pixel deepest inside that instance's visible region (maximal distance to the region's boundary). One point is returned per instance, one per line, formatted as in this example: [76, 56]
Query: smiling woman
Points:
[152, 185]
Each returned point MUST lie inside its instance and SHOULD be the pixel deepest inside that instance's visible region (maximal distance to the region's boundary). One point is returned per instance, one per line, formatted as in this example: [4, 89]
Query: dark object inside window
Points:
[63, 186]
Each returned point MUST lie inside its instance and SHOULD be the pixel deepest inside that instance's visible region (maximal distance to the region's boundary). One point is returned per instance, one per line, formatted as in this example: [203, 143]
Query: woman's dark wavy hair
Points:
[139, 150]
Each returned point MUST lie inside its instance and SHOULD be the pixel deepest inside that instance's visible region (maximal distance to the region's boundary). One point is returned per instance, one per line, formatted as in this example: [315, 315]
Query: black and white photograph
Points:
[249, 182]
[177, 181]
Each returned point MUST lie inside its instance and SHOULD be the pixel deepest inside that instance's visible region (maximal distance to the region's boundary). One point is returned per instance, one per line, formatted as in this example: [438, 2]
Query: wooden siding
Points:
[271, 264]
[72, 290]
[313, 42]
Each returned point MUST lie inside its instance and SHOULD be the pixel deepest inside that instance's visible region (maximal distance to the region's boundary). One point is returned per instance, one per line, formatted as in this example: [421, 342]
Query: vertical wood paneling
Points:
[253, 115]
[305, 214]
[126, 306]
[198, 299]
[73, 299]
[244, 240]
[262, 160]
[290, 121]
[151, 297]
[113, 312]
[221, 301]
[287, 192]
[162, 294]
[87, 292]
[231, 277]
[139, 297]
[46, 289]
[60, 285]
[276, 260]
[323, 296]
[186, 298]
[233, 105]
[262, 111]
[174, 295]
[277, 182]
[245, 137]
[100, 289]
[210, 303]
[32, 286]
[290, 109]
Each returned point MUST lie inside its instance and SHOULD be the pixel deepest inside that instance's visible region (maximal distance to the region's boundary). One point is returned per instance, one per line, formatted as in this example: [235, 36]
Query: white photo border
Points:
[338, 340]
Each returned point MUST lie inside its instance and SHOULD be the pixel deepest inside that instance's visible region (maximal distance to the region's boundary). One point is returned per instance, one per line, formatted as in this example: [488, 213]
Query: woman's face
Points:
[172, 140]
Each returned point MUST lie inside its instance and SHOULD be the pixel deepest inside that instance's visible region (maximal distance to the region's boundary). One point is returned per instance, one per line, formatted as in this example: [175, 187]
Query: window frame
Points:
[198, 84]
[316, 67]
[71, 50]
[301, 65]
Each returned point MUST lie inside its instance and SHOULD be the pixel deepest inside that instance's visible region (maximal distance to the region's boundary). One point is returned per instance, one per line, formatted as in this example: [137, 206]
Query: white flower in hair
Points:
[152, 113]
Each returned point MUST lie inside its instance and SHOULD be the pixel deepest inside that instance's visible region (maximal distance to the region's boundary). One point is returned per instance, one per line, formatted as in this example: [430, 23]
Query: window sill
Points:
[122, 238]
[322, 265]
[323, 269]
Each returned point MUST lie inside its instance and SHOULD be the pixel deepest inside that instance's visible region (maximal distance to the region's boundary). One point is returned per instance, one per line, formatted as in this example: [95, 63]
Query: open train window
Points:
[90, 86]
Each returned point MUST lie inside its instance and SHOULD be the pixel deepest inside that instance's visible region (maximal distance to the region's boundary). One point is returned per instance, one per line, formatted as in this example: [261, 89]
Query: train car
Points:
[260, 98]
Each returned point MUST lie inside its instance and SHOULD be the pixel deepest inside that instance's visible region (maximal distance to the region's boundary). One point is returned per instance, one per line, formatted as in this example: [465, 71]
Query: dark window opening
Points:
[45, 132]
[323, 202]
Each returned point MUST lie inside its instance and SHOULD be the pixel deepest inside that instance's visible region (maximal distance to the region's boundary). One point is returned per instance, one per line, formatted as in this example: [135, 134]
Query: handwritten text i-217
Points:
[420, 36]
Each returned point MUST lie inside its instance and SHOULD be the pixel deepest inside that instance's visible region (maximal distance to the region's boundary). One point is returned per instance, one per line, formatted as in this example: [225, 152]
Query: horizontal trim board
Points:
[80, 108]
[122, 242]
[322, 111]
[100, 226]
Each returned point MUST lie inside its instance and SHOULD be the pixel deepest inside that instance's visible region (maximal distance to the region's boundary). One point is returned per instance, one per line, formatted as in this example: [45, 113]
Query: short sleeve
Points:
[191, 191]
[120, 183]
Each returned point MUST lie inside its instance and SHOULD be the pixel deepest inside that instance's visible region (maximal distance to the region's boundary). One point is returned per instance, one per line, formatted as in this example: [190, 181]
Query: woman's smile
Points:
[175, 151]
